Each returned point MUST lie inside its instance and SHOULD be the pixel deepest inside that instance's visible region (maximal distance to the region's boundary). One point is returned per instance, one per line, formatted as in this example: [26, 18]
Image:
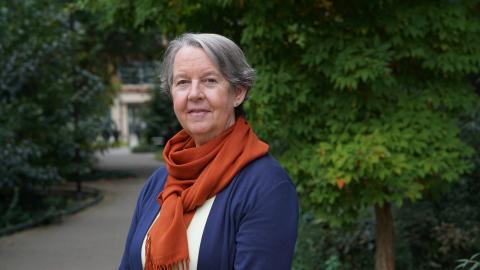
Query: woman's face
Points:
[202, 99]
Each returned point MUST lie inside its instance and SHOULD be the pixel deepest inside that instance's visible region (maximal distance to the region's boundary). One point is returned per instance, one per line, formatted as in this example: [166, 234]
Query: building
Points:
[136, 81]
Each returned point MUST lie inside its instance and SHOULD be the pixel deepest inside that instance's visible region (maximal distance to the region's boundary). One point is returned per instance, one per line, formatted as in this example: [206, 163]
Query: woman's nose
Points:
[195, 90]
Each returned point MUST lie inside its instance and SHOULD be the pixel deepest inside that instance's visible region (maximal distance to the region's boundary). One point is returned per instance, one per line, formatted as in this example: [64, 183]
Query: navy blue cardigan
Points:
[252, 223]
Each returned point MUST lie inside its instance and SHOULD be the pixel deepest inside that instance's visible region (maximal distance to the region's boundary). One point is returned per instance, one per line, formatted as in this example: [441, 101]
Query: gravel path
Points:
[91, 239]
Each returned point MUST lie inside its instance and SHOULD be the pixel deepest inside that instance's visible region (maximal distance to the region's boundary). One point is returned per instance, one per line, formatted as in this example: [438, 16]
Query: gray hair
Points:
[223, 52]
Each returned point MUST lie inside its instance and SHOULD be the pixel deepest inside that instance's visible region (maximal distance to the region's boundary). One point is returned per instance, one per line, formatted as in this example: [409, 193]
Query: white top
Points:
[194, 234]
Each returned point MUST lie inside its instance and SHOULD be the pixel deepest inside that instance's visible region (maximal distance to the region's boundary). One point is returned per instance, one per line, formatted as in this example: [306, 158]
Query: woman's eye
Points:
[210, 81]
[181, 82]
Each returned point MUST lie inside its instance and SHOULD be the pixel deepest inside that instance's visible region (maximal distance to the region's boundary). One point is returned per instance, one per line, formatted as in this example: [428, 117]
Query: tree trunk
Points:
[76, 115]
[385, 238]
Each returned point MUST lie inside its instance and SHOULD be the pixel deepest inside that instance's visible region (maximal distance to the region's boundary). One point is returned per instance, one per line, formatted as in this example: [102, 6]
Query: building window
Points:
[139, 73]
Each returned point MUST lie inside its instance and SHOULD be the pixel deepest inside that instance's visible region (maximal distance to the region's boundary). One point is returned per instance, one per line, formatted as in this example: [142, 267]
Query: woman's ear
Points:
[240, 94]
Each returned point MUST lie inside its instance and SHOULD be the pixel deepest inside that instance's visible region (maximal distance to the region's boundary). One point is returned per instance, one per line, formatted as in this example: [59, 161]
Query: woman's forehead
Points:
[192, 59]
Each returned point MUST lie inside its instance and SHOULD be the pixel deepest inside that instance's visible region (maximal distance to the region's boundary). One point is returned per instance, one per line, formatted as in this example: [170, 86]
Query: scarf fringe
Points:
[150, 264]
[178, 265]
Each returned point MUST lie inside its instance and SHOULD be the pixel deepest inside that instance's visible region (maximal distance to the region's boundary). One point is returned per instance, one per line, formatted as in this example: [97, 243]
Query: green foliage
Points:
[164, 20]
[321, 247]
[437, 230]
[51, 105]
[431, 233]
[42, 207]
[471, 264]
[376, 100]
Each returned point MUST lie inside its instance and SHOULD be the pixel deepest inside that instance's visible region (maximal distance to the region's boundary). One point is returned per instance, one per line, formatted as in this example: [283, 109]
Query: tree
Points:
[361, 100]
[378, 89]
[159, 116]
[50, 103]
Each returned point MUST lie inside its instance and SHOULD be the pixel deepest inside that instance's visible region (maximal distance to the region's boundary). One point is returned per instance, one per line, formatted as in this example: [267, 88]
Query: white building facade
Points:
[136, 82]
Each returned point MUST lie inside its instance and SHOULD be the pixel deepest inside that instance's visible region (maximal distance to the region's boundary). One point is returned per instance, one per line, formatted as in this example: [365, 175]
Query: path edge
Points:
[98, 196]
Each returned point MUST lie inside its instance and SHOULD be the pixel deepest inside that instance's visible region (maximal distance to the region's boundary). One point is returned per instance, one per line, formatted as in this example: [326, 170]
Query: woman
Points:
[221, 201]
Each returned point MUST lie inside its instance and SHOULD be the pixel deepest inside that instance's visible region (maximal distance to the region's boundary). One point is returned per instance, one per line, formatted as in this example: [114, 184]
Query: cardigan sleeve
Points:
[125, 263]
[146, 198]
[267, 232]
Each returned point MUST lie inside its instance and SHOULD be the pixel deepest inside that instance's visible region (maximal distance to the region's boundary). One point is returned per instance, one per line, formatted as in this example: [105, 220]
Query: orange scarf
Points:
[195, 174]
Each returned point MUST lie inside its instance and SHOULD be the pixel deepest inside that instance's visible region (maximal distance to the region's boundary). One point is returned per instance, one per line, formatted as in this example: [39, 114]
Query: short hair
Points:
[224, 53]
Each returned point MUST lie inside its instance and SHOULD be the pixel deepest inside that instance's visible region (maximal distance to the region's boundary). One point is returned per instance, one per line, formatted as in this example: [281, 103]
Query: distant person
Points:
[106, 135]
[116, 135]
[221, 201]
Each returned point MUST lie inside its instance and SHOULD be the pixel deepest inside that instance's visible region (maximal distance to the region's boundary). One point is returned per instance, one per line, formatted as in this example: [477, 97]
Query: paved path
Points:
[121, 159]
[91, 239]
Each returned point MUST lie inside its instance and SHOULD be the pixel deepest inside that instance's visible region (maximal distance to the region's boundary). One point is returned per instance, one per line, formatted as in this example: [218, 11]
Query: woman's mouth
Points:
[198, 112]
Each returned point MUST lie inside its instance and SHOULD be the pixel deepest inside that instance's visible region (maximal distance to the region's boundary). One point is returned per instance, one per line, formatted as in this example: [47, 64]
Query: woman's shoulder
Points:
[265, 165]
[261, 183]
[264, 173]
